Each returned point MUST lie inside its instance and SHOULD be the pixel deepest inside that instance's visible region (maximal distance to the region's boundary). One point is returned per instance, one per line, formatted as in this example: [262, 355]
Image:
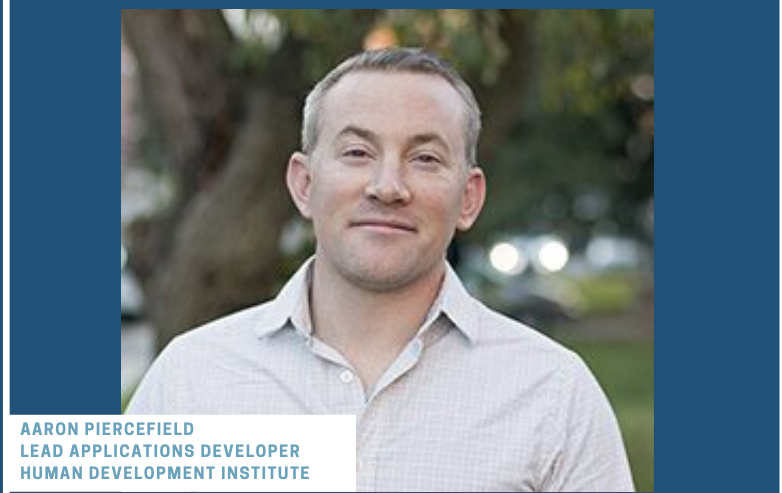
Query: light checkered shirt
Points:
[476, 402]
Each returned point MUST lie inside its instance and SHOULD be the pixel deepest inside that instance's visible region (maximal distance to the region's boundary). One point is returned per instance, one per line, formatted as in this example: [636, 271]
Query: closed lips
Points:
[384, 223]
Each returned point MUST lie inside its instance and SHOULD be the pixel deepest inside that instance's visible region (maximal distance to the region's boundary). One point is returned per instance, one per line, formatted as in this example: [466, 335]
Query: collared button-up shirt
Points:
[475, 402]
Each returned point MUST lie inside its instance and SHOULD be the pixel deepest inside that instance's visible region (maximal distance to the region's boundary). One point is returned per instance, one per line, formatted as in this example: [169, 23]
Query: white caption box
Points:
[200, 453]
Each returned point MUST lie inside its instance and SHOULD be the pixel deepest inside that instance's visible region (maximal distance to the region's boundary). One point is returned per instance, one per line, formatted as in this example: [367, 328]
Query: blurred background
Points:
[211, 103]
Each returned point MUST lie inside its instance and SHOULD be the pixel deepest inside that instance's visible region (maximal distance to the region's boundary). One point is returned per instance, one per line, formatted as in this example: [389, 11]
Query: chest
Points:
[448, 447]
[429, 427]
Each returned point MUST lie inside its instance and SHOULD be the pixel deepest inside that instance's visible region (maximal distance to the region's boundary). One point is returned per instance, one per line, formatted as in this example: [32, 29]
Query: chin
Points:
[382, 272]
[380, 282]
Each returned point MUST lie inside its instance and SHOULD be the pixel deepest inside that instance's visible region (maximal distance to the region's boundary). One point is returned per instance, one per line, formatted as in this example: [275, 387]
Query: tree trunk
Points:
[225, 254]
[502, 102]
[227, 141]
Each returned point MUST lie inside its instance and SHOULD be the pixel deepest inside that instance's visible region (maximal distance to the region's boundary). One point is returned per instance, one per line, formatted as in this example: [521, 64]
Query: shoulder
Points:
[527, 359]
[227, 337]
[247, 323]
[199, 361]
[522, 342]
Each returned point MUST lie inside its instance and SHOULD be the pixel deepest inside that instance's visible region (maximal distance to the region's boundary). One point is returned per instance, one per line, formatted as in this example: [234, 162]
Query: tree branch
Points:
[502, 102]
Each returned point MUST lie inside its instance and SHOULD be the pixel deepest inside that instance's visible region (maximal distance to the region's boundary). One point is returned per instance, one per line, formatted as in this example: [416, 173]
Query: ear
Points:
[472, 199]
[299, 181]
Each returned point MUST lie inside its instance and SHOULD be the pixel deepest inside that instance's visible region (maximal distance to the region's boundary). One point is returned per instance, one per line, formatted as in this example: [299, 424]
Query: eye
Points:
[356, 153]
[428, 159]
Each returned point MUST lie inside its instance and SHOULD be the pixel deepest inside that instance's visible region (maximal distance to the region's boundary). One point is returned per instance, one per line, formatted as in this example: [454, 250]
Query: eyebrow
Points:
[427, 138]
[359, 132]
[374, 138]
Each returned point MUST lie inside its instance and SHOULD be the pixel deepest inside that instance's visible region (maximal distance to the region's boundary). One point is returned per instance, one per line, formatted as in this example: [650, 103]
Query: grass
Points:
[625, 369]
[607, 294]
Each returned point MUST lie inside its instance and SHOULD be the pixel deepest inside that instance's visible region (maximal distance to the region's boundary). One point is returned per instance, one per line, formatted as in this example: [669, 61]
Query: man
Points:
[449, 395]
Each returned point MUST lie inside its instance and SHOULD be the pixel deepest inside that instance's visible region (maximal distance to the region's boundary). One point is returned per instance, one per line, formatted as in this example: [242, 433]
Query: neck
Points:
[369, 328]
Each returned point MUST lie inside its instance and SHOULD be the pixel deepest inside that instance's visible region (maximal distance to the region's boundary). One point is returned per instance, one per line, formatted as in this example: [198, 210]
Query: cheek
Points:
[329, 196]
[443, 207]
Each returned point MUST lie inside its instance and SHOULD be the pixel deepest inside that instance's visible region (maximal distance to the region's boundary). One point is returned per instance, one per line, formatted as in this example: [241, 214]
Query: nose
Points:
[388, 185]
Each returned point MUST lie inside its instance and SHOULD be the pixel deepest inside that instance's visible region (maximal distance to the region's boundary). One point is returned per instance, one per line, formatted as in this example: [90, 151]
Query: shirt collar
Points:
[292, 306]
[459, 306]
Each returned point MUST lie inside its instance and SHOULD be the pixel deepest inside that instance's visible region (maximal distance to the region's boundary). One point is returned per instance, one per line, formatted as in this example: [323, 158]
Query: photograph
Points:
[439, 221]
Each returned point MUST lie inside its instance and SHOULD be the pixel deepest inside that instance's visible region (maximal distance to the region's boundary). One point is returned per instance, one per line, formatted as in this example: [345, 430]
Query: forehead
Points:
[395, 104]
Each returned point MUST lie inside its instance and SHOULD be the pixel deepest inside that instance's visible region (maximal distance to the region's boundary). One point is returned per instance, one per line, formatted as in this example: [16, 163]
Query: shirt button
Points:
[359, 465]
[347, 376]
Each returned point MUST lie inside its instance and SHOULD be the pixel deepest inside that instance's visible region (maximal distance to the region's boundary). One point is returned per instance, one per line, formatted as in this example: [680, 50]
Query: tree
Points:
[580, 160]
[225, 138]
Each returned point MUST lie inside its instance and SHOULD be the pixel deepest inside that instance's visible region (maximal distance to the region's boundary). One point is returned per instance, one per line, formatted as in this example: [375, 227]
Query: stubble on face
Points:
[395, 107]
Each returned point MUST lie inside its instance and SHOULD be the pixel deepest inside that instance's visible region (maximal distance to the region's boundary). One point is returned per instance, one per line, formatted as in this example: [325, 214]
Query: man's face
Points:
[387, 184]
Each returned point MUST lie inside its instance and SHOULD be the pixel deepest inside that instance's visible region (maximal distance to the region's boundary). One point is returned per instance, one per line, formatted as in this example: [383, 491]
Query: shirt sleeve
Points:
[588, 453]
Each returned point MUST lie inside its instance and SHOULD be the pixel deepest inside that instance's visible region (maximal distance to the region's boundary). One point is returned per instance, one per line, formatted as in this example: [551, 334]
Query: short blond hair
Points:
[413, 60]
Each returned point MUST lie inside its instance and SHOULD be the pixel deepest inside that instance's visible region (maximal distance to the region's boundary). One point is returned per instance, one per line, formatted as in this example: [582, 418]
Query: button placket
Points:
[367, 450]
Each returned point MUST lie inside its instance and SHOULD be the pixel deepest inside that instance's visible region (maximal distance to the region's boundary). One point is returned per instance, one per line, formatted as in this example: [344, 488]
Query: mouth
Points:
[384, 225]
